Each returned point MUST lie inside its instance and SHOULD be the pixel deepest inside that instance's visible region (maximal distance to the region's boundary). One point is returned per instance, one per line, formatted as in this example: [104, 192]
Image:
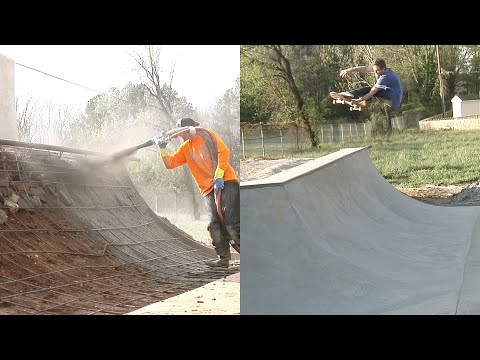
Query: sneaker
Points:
[346, 94]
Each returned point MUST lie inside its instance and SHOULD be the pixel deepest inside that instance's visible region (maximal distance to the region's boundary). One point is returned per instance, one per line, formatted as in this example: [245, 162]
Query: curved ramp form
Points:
[76, 238]
[332, 236]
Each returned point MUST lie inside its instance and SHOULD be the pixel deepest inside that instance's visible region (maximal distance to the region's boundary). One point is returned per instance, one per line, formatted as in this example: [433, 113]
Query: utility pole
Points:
[440, 77]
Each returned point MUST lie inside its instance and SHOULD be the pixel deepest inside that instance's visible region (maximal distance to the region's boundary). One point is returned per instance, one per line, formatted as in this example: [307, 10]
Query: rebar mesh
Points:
[79, 239]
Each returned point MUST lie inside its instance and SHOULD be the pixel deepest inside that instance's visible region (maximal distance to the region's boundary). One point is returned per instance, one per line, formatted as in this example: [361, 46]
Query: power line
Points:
[85, 87]
[68, 81]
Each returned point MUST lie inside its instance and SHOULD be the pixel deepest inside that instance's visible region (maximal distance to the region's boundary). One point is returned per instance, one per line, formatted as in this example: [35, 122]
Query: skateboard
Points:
[354, 106]
[359, 106]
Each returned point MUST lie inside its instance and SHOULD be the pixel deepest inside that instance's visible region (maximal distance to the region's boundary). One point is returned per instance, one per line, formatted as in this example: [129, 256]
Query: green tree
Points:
[257, 104]
[274, 60]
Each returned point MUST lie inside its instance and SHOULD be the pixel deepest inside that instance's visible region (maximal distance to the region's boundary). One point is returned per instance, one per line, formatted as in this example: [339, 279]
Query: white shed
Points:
[464, 105]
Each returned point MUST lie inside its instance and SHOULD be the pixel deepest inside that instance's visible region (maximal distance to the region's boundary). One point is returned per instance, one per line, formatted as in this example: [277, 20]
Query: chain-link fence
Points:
[268, 140]
[171, 204]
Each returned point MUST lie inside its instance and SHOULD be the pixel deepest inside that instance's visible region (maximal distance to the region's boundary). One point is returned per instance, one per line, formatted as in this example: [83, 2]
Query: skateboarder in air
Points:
[208, 159]
[388, 86]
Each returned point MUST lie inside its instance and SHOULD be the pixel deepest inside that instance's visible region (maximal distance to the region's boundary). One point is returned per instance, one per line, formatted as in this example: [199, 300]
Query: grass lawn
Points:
[195, 228]
[412, 158]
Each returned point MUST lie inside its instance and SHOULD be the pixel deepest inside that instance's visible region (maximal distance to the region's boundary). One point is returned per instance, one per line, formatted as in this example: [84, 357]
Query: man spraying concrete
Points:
[208, 159]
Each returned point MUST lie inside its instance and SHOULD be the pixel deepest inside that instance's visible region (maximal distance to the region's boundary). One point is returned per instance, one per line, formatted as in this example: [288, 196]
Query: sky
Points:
[202, 72]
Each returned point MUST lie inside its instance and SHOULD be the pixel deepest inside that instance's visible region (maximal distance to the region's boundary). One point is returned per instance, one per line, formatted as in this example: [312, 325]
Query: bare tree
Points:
[26, 122]
[150, 73]
[44, 123]
[55, 124]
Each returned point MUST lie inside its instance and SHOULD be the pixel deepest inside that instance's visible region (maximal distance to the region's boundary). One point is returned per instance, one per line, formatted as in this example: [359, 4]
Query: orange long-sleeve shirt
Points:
[202, 159]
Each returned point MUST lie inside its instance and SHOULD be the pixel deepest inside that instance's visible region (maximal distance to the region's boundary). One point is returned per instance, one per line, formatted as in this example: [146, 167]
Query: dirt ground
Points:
[452, 195]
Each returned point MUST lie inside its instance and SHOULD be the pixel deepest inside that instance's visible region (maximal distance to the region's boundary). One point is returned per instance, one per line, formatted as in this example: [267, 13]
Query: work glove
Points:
[161, 140]
[218, 182]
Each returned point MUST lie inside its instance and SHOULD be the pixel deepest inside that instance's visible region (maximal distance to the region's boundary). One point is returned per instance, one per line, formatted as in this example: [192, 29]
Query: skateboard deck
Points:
[347, 100]
[341, 99]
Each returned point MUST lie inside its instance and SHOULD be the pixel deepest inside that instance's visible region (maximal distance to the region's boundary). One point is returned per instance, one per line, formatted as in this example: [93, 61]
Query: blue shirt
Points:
[391, 82]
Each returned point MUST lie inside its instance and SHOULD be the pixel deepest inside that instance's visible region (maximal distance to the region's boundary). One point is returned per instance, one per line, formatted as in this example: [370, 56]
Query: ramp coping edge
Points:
[302, 170]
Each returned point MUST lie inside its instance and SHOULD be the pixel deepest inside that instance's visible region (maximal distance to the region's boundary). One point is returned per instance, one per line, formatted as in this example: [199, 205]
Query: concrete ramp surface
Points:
[332, 236]
[77, 238]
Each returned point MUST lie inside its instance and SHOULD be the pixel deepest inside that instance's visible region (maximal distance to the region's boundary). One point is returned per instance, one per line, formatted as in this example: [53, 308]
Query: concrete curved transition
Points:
[332, 236]
[77, 238]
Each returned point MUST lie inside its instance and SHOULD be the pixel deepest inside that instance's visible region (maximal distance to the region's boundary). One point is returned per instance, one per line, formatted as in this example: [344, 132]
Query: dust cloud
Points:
[116, 152]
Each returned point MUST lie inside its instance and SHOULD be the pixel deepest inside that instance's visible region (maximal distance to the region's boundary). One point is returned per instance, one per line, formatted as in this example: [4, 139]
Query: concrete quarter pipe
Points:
[332, 236]
[76, 239]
